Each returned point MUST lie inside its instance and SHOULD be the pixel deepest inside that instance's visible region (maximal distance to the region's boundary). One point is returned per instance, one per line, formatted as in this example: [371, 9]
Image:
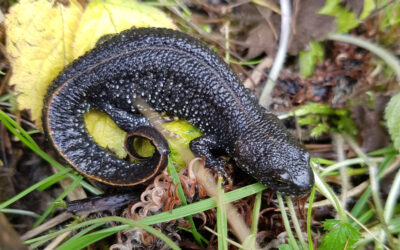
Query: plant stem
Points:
[325, 190]
[374, 189]
[285, 219]
[256, 213]
[339, 143]
[391, 202]
[309, 213]
[295, 222]
[266, 94]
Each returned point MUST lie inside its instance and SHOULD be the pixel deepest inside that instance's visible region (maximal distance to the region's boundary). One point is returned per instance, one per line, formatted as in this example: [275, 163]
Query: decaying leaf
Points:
[43, 37]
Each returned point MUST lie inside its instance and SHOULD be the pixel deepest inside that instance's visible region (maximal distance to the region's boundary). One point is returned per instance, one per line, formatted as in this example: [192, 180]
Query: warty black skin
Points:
[177, 74]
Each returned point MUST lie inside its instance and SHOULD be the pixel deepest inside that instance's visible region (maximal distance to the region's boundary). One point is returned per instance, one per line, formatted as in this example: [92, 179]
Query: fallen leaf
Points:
[356, 6]
[105, 132]
[44, 37]
[372, 132]
[38, 48]
[186, 133]
[113, 16]
[309, 25]
[260, 40]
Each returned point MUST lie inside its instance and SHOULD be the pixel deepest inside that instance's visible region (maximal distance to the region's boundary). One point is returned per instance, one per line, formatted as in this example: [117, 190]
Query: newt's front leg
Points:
[203, 146]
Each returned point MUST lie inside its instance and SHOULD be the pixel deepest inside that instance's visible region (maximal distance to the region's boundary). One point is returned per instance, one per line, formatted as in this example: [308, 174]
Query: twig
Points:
[257, 73]
[56, 242]
[226, 30]
[47, 225]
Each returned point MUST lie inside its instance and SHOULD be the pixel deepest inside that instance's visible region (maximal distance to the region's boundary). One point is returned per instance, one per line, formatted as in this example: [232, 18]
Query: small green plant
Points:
[340, 234]
[345, 18]
[325, 119]
[308, 59]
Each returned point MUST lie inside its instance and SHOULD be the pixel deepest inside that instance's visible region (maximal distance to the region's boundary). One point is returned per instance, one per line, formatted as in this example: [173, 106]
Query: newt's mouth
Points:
[297, 185]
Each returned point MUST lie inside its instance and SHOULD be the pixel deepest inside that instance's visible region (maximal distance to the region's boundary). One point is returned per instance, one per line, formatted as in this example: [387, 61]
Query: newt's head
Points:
[275, 158]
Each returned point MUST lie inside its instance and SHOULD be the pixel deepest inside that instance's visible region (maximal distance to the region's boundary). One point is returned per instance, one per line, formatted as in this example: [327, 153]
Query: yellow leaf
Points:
[186, 133]
[113, 16]
[105, 17]
[45, 36]
[39, 38]
[105, 132]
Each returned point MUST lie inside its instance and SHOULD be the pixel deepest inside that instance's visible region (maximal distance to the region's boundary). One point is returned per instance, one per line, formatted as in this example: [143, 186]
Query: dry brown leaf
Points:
[309, 25]
[261, 39]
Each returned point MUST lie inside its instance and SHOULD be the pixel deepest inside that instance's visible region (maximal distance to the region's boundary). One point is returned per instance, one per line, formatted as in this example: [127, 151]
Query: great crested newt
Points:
[179, 75]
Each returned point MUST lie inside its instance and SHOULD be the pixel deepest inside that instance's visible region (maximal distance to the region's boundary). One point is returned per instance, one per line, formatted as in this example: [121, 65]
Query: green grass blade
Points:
[18, 131]
[251, 62]
[222, 223]
[19, 212]
[383, 151]
[33, 187]
[51, 183]
[88, 239]
[73, 185]
[158, 4]
[327, 191]
[363, 218]
[83, 232]
[203, 205]
[360, 205]
[322, 161]
[25, 138]
[309, 214]
[166, 216]
[176, 181]
[295, 222]
[256, 214]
